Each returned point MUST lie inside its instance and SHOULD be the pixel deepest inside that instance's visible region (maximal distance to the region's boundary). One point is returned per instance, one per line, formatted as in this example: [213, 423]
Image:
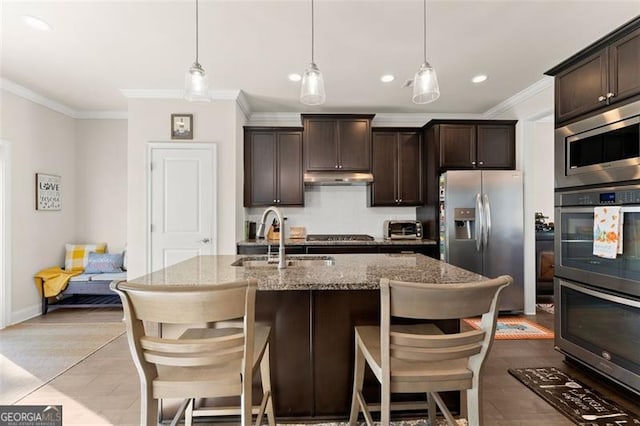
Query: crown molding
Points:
[416, 119]
[216, 95]
[32, 96]
[284, 119]
[520, 97]
[37, 98]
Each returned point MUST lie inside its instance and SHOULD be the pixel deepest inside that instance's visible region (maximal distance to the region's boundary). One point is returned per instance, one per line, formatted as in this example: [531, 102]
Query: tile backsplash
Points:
[338, 210]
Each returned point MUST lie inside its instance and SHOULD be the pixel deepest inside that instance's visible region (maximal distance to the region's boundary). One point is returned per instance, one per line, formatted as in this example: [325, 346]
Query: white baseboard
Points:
[26, 313]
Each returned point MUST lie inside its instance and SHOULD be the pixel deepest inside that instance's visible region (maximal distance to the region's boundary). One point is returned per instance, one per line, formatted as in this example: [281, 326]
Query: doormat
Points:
[511, 328]
[547, 307]
[583, 406]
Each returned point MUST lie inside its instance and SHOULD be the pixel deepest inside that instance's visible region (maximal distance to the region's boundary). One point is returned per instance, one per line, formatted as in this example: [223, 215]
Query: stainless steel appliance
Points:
[601, 149]
[402, 230]
[339, 237]
[599, 299]
[481, 227]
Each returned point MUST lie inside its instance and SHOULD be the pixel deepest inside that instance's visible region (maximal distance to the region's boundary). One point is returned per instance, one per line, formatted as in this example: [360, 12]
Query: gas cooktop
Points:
[339, 237]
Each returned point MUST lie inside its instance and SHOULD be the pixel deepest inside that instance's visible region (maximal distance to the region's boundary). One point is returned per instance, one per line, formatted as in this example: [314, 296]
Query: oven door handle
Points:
[600, 294]
[479, 228]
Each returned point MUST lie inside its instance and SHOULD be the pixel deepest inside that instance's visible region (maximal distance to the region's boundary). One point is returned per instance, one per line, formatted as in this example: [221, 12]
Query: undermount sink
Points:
[291, 261]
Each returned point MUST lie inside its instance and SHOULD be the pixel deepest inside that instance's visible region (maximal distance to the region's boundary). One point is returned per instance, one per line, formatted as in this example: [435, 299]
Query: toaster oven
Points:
[402, 230]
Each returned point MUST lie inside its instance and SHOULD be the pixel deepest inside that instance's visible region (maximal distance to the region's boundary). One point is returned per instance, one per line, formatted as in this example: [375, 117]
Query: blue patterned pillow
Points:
[103, 263]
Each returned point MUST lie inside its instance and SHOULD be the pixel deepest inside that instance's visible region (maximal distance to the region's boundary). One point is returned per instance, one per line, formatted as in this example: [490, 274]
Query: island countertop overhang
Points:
[349, 272]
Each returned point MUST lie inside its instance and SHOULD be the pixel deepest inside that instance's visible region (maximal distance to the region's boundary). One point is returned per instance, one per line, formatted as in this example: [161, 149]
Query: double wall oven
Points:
[598, 320]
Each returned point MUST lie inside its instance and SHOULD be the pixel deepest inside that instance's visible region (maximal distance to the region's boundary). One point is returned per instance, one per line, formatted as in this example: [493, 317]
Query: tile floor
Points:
[103, 389]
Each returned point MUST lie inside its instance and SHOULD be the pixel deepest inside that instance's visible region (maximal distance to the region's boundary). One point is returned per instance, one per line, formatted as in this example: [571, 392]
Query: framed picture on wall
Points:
[181, 126]
[48, 189]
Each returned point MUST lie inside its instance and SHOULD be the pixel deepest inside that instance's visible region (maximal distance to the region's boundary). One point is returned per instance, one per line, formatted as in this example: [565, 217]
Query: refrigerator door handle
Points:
[479, 228]
[487, 220]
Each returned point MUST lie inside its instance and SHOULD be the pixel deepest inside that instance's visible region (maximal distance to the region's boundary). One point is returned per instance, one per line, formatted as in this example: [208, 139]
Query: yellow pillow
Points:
[77, 255]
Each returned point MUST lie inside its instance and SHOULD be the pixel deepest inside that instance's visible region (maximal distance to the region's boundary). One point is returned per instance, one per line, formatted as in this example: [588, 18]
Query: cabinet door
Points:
[410, 169]
[321, 144]
[354, 136]
[624, 67]
[457, 146]
[260, 168]
[495, 147]
[582, 88]
[290, 185]
[385, 169]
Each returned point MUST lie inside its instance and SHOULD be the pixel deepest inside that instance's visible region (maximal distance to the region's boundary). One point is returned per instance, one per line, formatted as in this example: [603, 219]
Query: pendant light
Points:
[312, 88]
[425, 82]
[196, 80]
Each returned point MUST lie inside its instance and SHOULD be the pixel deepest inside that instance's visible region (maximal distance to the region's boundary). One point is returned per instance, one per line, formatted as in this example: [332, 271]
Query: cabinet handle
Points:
[601, 98]
[473, 162]
[336, 166]
[610, 95]
[482, 162]
[340, 166]
[278, 201]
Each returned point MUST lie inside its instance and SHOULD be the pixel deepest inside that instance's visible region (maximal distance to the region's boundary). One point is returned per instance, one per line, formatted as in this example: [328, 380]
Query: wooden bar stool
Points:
[420, 358]
[202, 362]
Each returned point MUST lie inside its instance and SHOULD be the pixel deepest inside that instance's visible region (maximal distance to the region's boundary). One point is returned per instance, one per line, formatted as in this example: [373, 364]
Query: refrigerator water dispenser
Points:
[464, 223]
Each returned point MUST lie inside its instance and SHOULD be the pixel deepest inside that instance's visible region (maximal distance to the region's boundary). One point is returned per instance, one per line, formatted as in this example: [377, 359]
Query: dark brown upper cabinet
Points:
[604, 73]
[337, 142]
[475, 145]
[273, 167]
[398, 177]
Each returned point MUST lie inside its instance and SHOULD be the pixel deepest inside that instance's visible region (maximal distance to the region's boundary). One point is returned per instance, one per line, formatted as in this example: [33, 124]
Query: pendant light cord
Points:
[312, 33]
[196, 31]
[425, 30]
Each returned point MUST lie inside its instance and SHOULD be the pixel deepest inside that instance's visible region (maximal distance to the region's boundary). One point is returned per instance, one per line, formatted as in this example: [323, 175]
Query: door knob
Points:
[205, 240]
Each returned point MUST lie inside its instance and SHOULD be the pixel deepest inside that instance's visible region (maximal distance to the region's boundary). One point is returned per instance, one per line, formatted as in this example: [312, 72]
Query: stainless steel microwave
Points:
[601, 149]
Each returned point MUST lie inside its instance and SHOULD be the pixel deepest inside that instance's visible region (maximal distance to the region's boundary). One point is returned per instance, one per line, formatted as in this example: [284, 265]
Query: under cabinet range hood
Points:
[337, 178]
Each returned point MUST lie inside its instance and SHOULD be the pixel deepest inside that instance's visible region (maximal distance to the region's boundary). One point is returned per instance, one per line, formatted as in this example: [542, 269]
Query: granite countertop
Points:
[350, 272]
[303, 242]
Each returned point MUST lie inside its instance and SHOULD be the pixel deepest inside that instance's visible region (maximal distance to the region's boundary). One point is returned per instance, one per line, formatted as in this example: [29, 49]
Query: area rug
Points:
[583, 406]
[33, 354]
[511, 328]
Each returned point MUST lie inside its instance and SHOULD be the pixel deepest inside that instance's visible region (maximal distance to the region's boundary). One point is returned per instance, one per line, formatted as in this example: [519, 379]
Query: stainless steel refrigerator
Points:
[481, 227]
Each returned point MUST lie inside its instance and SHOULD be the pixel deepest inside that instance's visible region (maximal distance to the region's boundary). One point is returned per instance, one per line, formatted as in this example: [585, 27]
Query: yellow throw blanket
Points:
[53, 280]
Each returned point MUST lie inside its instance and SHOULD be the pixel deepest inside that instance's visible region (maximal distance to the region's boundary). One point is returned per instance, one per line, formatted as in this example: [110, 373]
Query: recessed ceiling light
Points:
[295, 77]
[36, 23]
[479, 78]
[387, 78]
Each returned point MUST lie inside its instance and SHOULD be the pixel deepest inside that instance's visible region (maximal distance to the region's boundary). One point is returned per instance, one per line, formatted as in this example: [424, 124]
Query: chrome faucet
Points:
[261, 233]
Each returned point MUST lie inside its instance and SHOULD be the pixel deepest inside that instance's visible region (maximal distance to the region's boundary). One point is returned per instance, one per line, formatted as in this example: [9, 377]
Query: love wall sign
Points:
[48, 188]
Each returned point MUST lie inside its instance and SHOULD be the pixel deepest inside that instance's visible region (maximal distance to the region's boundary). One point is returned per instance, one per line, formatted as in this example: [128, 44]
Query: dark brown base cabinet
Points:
[273, 167]
[312, 349]
[599, 76]
[398, 176]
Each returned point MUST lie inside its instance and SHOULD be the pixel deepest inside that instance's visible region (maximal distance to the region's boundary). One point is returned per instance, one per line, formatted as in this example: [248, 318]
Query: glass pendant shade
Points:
[196, 84]
[425, 85]
[312, 89]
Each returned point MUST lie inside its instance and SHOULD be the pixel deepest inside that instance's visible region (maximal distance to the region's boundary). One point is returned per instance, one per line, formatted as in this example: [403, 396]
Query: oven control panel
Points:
[597, 198]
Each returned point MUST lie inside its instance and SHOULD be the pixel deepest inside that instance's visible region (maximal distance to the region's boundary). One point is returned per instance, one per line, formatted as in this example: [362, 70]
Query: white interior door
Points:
[183, 202]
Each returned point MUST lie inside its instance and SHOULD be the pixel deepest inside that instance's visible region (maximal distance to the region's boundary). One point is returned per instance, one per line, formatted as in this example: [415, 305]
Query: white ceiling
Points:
[97, 48]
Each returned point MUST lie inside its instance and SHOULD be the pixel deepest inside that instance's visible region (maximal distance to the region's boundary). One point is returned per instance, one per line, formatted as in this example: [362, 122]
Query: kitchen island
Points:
[312, 308]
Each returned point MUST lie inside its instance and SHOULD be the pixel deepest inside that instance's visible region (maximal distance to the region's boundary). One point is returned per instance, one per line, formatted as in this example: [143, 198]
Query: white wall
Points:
[338, 210]
[42, 141]
[542, 170]
[215, 122]
[529, 132]
[101, 167]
